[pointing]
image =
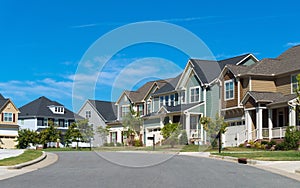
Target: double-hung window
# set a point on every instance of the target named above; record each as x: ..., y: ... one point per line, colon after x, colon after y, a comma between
x: 125, y: 110
x: 195, y: 94
x: 7, y: 117
x: 294, y: 83
x: 161, y: 101
x: 229, y: 90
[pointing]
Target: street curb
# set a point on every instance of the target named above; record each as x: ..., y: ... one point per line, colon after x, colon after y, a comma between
x: 22, y: 165
x: 234, y: 159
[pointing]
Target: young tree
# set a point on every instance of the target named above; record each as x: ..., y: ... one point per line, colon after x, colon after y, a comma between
x: 183, y: 139
x: 86, y: 130
x: 73, y: 134
x: 133, y: 123
x: 214, y: 128
x: 170, y: 132
x: 103, y: 133
x: 50, y: 134
x: 25, y: 137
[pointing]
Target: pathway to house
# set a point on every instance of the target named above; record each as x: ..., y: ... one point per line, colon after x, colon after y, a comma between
x: 90, y: 169
x: 7, y: 153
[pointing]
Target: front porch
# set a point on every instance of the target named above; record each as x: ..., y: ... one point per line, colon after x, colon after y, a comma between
x: 271, y: 123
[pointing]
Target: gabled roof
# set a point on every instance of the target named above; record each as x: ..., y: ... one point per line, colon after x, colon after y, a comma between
x: 40, y: 108
x: 168, y: 86
x: 140, y: 95
x: 267, y: 97
x: 272, y: 98
x: 238, y: 60
x: 287, y: 62
x: 208, y: 71
x: 4, y: 102
x: 106, y: 109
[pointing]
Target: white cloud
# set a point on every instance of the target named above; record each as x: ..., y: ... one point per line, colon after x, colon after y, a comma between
x: 290, y: 44
x: 25, y: 91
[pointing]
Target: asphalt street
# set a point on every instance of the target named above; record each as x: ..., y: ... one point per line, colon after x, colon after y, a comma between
x: 91, y: 169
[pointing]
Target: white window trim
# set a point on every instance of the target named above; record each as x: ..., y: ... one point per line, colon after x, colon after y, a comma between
x: 123, y: 106
x: 228, y: 81
x: 292, y: 91
x: 12, y: 118
x: 190, y: 95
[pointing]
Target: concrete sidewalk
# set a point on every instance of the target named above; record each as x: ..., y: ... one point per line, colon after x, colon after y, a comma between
x: 290, y: 169
x: 7, y: 153
x: 8, y: 171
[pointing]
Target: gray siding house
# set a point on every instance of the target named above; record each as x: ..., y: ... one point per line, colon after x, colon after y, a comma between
x: 99, y: 113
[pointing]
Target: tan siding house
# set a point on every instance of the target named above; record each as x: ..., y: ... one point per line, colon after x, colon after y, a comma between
x: 8, y: 123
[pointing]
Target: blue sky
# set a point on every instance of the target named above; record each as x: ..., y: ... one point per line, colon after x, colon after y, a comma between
x: 42, y: 42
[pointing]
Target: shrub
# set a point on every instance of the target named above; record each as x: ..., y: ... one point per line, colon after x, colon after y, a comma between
x: 264, y: 142
x: 241, y: 145
x: 183, y: 140
x: 271, y: 143
x: 119, y: 144
x: 280, y: 146
x: 291, y: 139
x: 257, y: 145
x: 137, y: 143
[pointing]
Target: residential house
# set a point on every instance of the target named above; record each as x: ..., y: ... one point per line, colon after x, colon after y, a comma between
x: 139, y: 101
x: 99, y: 113
x: 8, y: 123
x: 259, y: 101
x: 36, y: 115
x: 188, y: 97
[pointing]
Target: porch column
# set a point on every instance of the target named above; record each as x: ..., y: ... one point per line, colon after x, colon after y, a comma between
x: 292, y: 116
x: 259, y: 122
x: 187, y: 126
x: 202, y: 134
x: 270, y: 123
x: 248, y: 123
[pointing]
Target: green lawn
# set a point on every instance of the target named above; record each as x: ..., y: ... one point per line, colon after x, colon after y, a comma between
x: 264, y: 155
x: 28, y: 155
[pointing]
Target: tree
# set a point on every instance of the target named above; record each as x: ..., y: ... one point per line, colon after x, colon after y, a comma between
x: 25, y: 137
x: 73, y: 134
x: 183, y: 139
x: 86, y: 130
x: 291, y: 138
x: 170, y: 132
x: 103, y: 132
x: 50, y: 134
x: 214, y: 128
x: 133, y: 123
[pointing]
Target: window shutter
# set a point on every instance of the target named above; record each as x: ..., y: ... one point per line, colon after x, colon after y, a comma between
x: 2, y: 116
x: 14, y: 117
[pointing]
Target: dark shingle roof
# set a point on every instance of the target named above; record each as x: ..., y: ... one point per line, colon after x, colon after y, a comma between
x: 207, y: 71
x: 287, y: 62
x: 180, y: 108
x: 271, y: 98
x: 284, y: 99
x: 265, y: 96
x: 40, y: 108
x: 3, y: 101
x: 107, y: 110
x: 232, y: 61
x: 168, y: 86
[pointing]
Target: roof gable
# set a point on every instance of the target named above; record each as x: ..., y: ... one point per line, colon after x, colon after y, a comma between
x: 107, y: 110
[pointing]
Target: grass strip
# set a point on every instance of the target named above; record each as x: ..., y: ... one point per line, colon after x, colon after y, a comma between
x: 28, y: 155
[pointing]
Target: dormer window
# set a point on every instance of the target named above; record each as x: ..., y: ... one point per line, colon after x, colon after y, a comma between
x: 57, y: 109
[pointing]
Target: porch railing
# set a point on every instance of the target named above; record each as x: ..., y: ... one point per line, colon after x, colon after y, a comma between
x: 277, y: 132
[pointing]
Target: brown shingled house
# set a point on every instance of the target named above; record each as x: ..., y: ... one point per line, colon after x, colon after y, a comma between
x: 259, y: 101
